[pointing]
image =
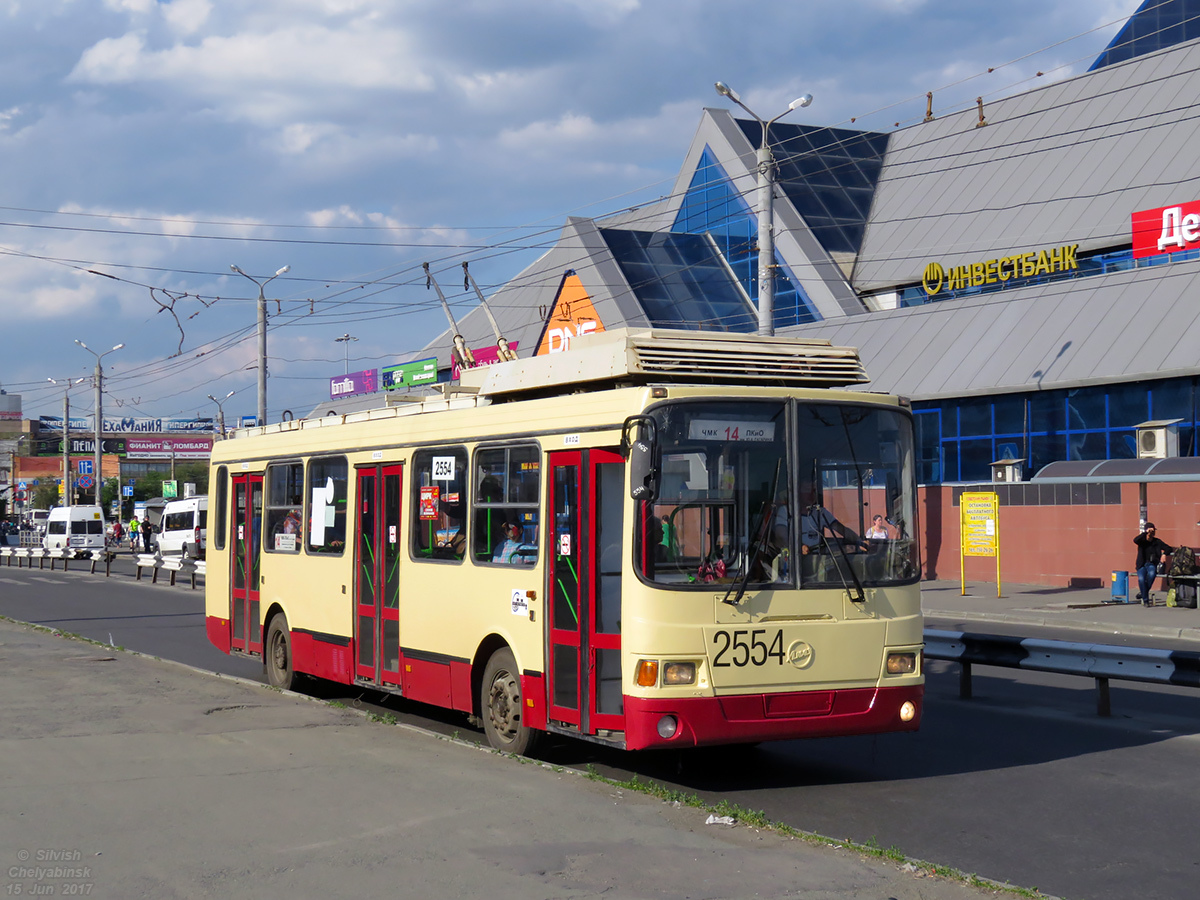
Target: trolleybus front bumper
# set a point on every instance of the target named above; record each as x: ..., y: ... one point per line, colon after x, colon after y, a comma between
x: 652, y: 723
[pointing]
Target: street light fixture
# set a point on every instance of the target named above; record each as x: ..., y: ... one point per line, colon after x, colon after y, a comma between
x: 262, y: 338
x: 766, y: 197
x: 346, y: 339
x: 99, y: 423
x: 67, y: 384
x: 221, y: 410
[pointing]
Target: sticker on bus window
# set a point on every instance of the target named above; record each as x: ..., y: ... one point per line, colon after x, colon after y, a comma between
x: 285, y: 542
x: 443, y: 468
x: 732, y: 430
x: 391, y: 534
x: 429, y: 503
x: 564, y: 545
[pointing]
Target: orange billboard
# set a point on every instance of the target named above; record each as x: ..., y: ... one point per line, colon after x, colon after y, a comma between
x: 572, y: 316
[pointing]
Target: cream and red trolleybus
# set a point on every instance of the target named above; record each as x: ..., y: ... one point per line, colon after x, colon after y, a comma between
x: 657, y: 539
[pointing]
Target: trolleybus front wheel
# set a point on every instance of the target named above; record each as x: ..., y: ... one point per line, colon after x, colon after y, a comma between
x: 503, y: 706
x: 277, y: 655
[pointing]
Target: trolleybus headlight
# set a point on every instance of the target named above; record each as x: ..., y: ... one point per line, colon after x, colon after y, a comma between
x: 667, y: 726
x: 908, y: 711
x: 901, y: 663
x: 679, y: 673
x: 647, y: 673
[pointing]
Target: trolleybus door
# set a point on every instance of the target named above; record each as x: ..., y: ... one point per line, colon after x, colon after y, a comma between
x: 586, y: 551
x: 245, y: 620
x: 377, y: 574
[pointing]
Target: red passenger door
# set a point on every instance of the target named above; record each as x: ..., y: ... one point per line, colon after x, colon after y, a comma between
x: 586, y: 551
x: 377, y: 574
x: 244, y: 614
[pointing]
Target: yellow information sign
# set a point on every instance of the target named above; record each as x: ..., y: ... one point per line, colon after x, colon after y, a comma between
x: 979, y: 519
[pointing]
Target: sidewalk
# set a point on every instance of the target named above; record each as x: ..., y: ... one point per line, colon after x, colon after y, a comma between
x: 126, y: 776
x: 1085, y: 609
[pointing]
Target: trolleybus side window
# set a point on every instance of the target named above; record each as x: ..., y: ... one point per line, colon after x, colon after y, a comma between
x: 285, y: 507
x: 222, y: 508
x: 326, y: 528
x: 439, y: 507
x: 505, y: 503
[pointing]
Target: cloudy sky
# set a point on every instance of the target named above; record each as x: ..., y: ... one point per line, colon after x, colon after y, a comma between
x: 145, y: 146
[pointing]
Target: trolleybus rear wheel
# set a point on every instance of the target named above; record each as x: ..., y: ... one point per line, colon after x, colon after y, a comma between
x: 503, y: 707
x: 277, y: 654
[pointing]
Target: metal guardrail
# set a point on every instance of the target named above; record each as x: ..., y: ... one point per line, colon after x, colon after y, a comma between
x: 1102, y: 662
x: 175, y: 565
x: 172, y: 564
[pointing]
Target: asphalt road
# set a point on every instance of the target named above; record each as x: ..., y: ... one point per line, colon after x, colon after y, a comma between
x: 1023, y: 784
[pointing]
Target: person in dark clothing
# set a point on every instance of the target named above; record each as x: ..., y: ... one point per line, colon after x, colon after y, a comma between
x: 1151, y: 556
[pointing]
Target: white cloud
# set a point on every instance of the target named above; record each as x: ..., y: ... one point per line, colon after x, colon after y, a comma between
x: 187, y: 16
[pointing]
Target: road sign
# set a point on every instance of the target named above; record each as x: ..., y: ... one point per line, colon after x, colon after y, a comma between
x: 86, y: 481
x: 22, y: 485
x: 249, y: 421
x: 85, y: 466
x: 127, y: 490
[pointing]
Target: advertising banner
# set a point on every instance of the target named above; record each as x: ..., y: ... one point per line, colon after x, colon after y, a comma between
x: 483, y: 357
x: 131, y: 425
x: 409, y: 374
x: 166, y: 448
x: 365, y: 382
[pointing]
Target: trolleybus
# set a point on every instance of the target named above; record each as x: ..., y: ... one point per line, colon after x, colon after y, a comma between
x: 657, y: 539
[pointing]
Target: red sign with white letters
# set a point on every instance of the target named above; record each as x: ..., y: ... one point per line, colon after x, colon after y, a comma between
x: 1167, y: 229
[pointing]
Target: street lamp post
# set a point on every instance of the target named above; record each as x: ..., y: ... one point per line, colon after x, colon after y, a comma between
x: 99, y: 410
x: 346, y: 339
x: 766, y: 198
x: 67, y: 384
x: 262, y: 339
x: 221, y: 410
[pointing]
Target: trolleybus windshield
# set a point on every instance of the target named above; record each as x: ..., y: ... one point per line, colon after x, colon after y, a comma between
x: 780, y: 495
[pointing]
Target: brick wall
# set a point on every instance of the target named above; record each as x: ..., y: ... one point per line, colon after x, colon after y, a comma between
x: 1059, y: 545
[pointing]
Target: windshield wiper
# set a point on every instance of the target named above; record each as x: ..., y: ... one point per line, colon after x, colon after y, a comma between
x: 857, y: 595
x: 761, y: 538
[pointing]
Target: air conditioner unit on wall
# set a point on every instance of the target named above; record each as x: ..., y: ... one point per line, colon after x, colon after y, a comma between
x: 1158, y: 439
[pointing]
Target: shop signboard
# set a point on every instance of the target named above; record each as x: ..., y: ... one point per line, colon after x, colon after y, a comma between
x: 169, y: 448
x: 1167, y: 229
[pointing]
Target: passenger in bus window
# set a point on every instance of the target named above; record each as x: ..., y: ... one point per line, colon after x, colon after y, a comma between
x: 512, y: 551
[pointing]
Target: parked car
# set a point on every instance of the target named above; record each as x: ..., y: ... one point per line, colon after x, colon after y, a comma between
x: 75, y: 528
x: 184, y: 528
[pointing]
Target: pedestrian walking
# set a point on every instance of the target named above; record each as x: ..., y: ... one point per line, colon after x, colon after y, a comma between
x: 134, y: 534
x: 1151, y: 557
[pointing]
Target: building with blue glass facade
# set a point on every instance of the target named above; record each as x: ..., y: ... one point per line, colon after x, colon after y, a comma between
x: 985, y: 262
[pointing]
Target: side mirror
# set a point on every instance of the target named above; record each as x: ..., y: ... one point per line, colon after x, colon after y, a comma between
x: 642, y: 452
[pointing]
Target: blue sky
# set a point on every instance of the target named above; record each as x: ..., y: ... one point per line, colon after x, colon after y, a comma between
x: 156, y: 143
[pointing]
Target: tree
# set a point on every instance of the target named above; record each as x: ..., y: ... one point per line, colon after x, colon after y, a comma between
x: 45, y: 496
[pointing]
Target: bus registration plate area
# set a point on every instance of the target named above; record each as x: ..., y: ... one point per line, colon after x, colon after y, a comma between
x: 826, y: 652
